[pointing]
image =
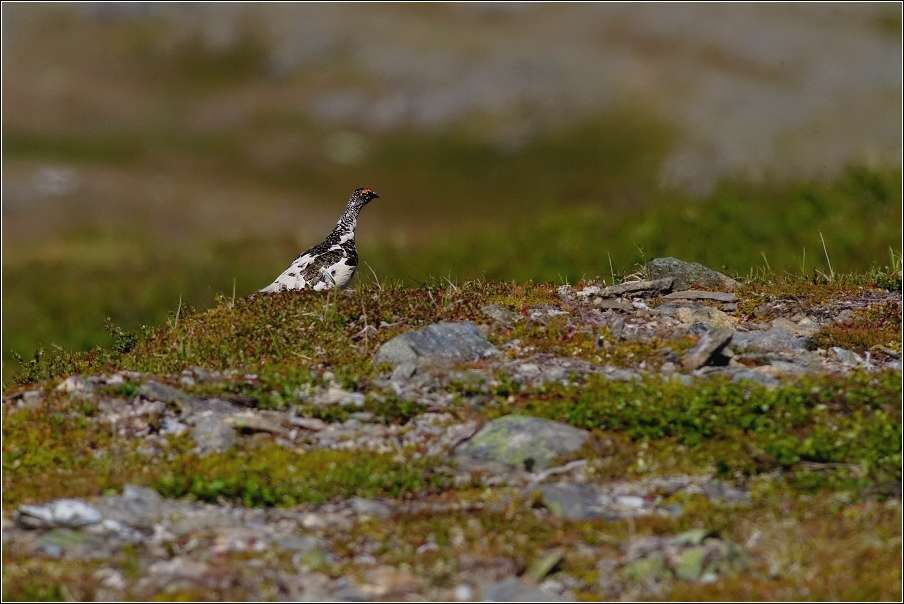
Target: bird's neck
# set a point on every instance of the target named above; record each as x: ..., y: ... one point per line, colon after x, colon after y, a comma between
x: 347, y: 224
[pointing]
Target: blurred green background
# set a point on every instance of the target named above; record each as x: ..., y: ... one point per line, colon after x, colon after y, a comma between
x: 158, y: 152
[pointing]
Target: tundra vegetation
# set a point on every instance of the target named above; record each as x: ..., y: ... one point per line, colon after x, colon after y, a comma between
x: 166, y: 437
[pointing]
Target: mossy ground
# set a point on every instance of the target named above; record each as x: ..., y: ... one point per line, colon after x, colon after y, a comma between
x: 817, y: 453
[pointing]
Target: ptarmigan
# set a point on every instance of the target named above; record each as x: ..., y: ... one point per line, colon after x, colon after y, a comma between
x: 331, y: 263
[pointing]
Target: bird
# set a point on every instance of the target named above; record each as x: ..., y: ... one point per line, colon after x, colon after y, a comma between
x: 331, y: 263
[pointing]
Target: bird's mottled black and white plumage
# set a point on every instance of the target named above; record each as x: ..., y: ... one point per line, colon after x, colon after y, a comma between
x: 331, y: 263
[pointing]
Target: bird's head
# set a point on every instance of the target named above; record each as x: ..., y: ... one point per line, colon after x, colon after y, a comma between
x: 362, y: 197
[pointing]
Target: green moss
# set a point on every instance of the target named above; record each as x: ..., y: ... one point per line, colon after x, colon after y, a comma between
x: 855, y: 420
x: 50, y: 453
x: 54, y: 452
x: 273, y: 475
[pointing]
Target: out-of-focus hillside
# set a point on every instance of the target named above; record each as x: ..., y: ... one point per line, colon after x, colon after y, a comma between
x: 152, y: 151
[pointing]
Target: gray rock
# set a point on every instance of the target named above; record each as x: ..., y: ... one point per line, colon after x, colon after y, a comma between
x: 847, y: 357
x: 776, y: 339
x: 171, y: 426
x: 543, y: 312
x: 448, y: 342
x: 688, y: 274
x: 64, y: 513
x: 707, y: 348
x: 693, y: 294
x: 711, y: 317
x: 157, y: 391
x: 137, y: 507
x: 212, y: 434
x: 403, y: 371
x: 747, y: 375
x: 513, y: 590
x: 370, y: 507
x: 637, y: 288
x: 571, y: 501
x: 74, y: 383
x: 805, y: 328
x: 524, y: 442
x: 500, y: 314
x: 604, y: 304
x: 583, y: 501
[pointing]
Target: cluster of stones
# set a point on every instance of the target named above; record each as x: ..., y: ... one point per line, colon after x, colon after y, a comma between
x: 513, y: 453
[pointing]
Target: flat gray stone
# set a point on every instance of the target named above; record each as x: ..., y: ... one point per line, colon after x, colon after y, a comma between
x: 693, y: 294
x: 513, y: 590
x: 637, y: 287
x: 688, y: 274
x: 776, y: 339
x: 612, y: 304
x: 156, y: 391
x: 62, y: 513
x: 370, y: 507
x: 571, y: 501
x: 523, y: 442
x: 440, y: 342
x: 707, y: 348
x: 746, y: 375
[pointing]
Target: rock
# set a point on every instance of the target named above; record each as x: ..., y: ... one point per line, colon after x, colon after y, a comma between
x: 571, y: 501
x: 634, y: 287
x: 137, y: 507
x: 522, y: 441
x: 336, y: 396
x: 156, y: 391
x: 541, y: 313
x: 693, y: 294
x: 64, y: 513
x: 805, y: 327
x: 370, y: 507
x: 613, y: 304
x: 513, y: 590
x: 169, y: 425
x: 707, y: 348
x: 309, y: 423
x: 74, y: 383
x: 403, y: 371
x: 583, y: 501
x: 500, y: 314
x: 688, y: 274
x: 748, y: 375
x: 777, y: 339
x: 212, y: 434
x: 845, y: 316
x: 545, y: 368
x: 460, y: 341
x: 707, y: 315
x: 255, y: 422
x: 397, y: 351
